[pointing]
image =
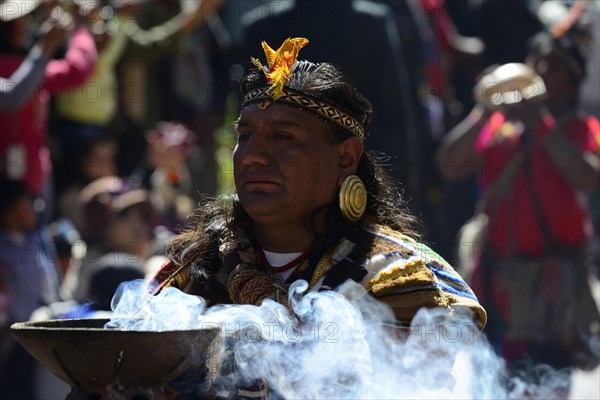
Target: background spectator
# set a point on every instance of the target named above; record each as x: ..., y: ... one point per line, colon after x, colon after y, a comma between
x: 28, y: 279
x: 93, y: 159
x: 539, y: 167
x: 22, y: 144
x: 16, y: 90
x: 116, y: 218
x: 165, y: 174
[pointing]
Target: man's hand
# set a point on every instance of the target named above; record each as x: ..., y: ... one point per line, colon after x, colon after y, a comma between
x: 531, y: 113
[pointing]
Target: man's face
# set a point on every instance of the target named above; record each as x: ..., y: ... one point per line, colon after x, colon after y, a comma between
x: 286, y: 165
x: 556, y: 76
x: 100, y: 162
x: 130, y: 230
x: 21, y: 217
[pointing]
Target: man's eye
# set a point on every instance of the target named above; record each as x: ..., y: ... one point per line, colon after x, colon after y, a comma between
x: 282, y: 135
x: 242, y: 136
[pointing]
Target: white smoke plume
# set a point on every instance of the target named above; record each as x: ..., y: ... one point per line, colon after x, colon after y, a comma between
x: 339, y: 344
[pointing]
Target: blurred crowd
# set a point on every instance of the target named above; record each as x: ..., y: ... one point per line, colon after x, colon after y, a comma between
x: 113, y: 114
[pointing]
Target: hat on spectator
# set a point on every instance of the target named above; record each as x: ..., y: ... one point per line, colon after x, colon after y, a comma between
x: 113, y: 193
x: 10, y: 10
x: 106, y: 197
x: 172, y: 134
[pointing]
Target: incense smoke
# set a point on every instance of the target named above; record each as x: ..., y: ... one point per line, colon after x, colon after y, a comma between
x: 338, y: 344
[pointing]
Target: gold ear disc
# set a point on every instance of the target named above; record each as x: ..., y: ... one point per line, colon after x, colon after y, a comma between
x: 353, y: 198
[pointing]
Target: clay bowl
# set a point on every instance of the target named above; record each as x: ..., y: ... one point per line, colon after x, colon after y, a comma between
x: 103, y: 362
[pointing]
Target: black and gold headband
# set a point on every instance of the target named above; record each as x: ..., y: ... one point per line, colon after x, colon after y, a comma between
x: 312, y: 105
x: 281, y: 63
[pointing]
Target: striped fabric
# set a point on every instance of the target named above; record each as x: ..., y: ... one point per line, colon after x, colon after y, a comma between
x: 408, y: 275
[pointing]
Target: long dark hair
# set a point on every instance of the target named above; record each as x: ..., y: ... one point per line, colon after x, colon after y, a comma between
x: 198, y: 248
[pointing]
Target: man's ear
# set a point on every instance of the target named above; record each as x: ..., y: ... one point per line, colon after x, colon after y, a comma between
x: 351, y: 150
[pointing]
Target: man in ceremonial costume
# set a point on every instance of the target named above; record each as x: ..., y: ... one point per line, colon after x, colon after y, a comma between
x: 310, y: 204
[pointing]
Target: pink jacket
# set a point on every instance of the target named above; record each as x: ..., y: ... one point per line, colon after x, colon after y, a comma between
x: 27, y: 126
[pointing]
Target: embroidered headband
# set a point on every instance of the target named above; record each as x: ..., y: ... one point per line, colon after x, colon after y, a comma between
x: 280, y: 68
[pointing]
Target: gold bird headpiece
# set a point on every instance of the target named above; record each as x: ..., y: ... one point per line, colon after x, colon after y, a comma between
x: 280, y: 63
x: 280, y: 68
